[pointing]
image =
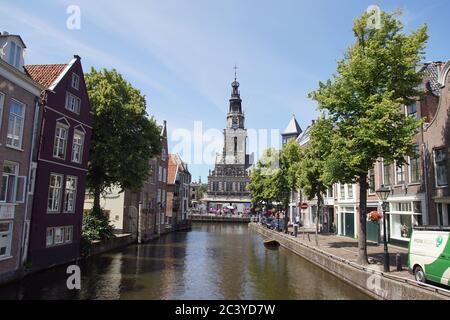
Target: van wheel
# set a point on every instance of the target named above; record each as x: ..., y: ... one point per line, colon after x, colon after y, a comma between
x: 419, y: 274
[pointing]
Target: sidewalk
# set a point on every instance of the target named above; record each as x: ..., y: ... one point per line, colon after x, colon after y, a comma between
x: 347, y: 248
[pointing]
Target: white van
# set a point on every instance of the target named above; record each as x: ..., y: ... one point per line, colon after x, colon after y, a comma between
x: 429, y: 254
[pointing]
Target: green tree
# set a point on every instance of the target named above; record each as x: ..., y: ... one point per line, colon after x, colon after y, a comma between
x: 377, y: 75
x: 260, y: 178
x: 311, y: 173
x: 274, y: 176
x: 124, y: 137
x: 290, y: 157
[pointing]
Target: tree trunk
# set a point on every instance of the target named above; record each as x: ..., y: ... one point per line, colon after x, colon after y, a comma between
x: 362, y: 236
x: 96, y: 209
x: 319, y: 210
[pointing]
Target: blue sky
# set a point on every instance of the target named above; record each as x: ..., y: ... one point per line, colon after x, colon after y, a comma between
x: 181, y: 54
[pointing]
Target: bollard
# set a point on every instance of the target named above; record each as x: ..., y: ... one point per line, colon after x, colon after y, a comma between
x: 295, y: 230
x: 398, y: 261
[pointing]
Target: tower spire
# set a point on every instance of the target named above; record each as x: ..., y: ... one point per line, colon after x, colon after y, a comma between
x: 235, y: 72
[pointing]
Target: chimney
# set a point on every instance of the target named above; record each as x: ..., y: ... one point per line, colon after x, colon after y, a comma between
x: 5, y: 33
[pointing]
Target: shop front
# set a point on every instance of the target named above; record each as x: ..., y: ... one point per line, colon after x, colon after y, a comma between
x: 402, y: 217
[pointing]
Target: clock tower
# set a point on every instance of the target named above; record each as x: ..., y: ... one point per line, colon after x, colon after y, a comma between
x: 227, y: 183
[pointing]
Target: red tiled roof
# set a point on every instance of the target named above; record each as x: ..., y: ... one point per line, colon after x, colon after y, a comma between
x: 172, y: 169
x: 45, y: 74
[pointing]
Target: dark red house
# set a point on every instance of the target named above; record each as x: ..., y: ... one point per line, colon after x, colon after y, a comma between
x: 63, y: 151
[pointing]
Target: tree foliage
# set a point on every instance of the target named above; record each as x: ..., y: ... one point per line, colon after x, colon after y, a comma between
x: 377, y: 75
x: 124, y: 137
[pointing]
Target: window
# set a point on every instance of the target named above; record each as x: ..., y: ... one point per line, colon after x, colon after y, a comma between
x: 12, y: 186
x: 59, y: 235
x: 54, y: 195
x: 68, y: 234
x: 59, y: 147
x: 70, y: 194
x: 49, y: 241
x: 73, y: 103
x: 400, y: 174
x: 15, y: 124
x: 386, y: 174
x: 342, y: 191
x: 411, y: 110
x: 77, y: 146
x: 371, y: 180
x: 414, y: 166
x: 14, y: 54
x: 75, y: 81
x: 5, y: 239
x: 350, y: 191
x: 2, y: 101
x: 440, y: 162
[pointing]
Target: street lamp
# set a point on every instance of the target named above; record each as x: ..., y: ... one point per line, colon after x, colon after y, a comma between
x: 383, y: 194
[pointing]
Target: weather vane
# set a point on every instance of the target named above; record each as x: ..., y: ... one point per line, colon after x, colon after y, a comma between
x: 235, y: 72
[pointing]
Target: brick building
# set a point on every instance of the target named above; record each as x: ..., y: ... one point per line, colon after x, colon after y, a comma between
x: 62, y: 160
x: 19, y: 112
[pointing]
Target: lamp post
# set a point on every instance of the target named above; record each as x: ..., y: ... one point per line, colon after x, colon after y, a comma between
x: 383, y: 194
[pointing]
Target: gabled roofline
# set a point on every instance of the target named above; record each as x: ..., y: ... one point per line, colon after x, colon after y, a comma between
x: 62, y: 74
x: 14, y: 35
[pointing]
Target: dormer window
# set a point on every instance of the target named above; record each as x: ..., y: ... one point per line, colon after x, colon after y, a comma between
x: 15, y: 52
x: 75, y: 81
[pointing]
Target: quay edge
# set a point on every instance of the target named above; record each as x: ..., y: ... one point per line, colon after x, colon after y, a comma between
x: 389, y: 287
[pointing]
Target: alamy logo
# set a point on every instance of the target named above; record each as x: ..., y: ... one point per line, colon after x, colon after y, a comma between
x: 374, y: 283
x: 73, y: 22
x: 439, y: 241
x: 374, y: 20
x: 74, y: 280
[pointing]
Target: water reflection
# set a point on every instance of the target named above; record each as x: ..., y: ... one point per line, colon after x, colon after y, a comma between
x: 213, y: 261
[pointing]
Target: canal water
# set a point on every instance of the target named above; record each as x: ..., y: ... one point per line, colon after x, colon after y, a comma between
x: 213, y: 261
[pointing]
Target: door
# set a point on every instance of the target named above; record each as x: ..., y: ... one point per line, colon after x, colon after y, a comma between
x: 350, y: 224
x: 373, y: 229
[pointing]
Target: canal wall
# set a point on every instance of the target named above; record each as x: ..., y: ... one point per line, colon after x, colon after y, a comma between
x: 214, y: 218
x: 102, y: 246
x: 377, y: 284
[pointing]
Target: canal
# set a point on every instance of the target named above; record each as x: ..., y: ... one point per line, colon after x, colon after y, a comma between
x: 213, y: 261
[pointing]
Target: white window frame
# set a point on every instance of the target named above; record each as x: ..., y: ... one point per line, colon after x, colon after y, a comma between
x: 18, y: 181
x: 75, y: 81
x: 350, y: 187
x: 57, y: 141
x: 58, y: 200
x: 74, y: 193
x: 383, y: 167
x: 70, y: 98
x: 9, y: 235
x: 435, y: 167
x: 47, y: 236
x: 418, y: 168
x: 12, y: 136
x: 81, y: 146
x: 15, y: 53
x: 398, y: 183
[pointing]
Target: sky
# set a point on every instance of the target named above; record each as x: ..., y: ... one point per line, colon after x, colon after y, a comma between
x: 181, y: 54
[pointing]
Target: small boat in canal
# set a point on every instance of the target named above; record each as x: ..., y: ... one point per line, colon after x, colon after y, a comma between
x: 271, y: 244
